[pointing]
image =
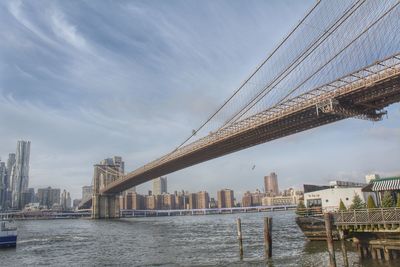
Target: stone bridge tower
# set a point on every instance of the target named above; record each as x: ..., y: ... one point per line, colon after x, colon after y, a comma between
x: 105, y: 206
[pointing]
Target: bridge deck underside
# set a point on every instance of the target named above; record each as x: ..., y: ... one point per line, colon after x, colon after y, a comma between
x: 367, y: 100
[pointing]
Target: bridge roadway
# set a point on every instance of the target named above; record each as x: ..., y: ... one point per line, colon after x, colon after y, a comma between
x: 362, y: 94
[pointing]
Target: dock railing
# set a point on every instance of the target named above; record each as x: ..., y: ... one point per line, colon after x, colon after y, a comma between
x: 358, y: 217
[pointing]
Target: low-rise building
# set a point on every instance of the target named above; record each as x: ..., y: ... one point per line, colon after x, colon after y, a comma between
x: 253, y: 199
x: 329, y: 198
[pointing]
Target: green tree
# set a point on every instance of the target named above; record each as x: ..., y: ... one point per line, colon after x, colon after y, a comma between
x: 357, y: 203
x: 398, y: 200
x: 301, y: 208
x: 371, y: 203
x: 387, y: 200
x: 342, y: 207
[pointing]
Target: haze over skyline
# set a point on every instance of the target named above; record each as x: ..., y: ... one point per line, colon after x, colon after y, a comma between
x: 82, y: 85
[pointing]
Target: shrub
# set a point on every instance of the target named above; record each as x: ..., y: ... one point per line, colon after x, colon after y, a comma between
x: 371, y: 203
x: 357, y: 203
x: 387, y: 200
x: 301, y: 208
x: 342, y: 207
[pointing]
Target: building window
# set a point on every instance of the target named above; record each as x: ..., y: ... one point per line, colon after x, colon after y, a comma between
x: 326, y: 200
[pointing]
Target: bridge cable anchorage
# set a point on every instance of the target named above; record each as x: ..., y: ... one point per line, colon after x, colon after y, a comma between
x: 333, y: 107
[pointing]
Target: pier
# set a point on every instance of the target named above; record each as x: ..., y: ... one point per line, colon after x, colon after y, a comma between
x: 375, y: 232
x: 152, y: 213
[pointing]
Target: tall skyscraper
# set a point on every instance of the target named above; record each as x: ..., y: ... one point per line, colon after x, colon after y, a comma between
x: 87, y: 192
x: 159, y: 186
x: 65, y: 200
x: 225, y: 198
x: 10, y: 165
x: 271, y: 184
x: 7, y: 184
x: 20, y: 179
x: 3, y: 186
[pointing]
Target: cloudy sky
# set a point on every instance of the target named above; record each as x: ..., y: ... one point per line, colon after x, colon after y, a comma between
x: 86, y: 80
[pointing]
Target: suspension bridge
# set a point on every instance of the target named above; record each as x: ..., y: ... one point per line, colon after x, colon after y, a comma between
x: 342, y: 60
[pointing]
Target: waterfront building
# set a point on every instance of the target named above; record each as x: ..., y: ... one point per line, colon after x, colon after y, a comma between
x: 151, y: 202
x: 329, y: 199
x: 137, y: 201
x: 48, y: 197
x: 87, y: 192
x: 28, y: 196
x: 160, y: 185
x: 382, y: 185
x: 168, y: 202
x: 20, y: 176
x: 122, y: 201
x: 213, y: 203
x: 225, y: 198
x: 371, y: 177
x: 179, y: 201
x: 132, y: 200
x: 252, y: 199
x: 65, y: 200
x: 32, y: 207
x: 271, y: 184
x: 192, y: 198
x: 282, y: 200
x: 246, y: 200
x: 75, y: 203
x: 203, y: 200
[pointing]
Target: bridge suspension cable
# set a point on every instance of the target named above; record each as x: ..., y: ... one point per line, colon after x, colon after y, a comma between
x: 308, y: 49
x: 324, y: 65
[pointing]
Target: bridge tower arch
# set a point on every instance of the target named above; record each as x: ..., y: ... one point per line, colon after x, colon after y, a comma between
x: 104, y: 206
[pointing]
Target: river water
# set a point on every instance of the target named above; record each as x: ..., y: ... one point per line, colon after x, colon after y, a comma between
x: 168, y: 241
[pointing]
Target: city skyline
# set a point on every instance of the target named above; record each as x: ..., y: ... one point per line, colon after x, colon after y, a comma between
x: 85, y: 121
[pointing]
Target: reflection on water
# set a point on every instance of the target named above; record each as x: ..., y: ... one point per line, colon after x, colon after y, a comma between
x: 169, y: 241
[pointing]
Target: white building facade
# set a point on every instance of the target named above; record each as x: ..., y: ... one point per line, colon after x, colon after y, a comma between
x: 329, y: 199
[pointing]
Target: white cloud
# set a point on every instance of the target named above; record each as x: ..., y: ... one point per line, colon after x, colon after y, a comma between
x: 66, y: 31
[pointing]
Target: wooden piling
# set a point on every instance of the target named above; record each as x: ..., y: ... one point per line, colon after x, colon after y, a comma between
x: 374, y: 253
x: 239, y: 235
x: 343, y: 247
x: 379, y: 253
x: 268, y: 237
x: 365, y: 251
x: 329, y: 239
x: 386, y: 254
